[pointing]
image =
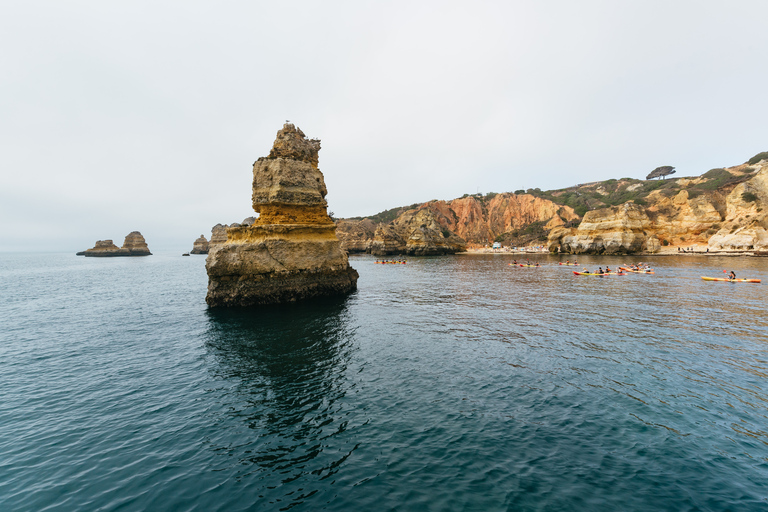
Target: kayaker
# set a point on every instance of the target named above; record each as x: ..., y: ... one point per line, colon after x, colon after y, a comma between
x: 732, y: 275
x: 607, y: 269
x: 600, y: 271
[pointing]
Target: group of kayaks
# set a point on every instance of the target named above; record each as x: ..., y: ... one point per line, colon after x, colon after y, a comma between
x: 390, y: 262
x: 631, y: 269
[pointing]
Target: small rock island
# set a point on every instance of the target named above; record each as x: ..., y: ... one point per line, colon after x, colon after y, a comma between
x: 134, y: 245
x: 291, y: 251
x: 200, y: 246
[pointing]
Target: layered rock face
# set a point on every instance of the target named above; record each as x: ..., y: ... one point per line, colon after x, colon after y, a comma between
x: 218, y: 234
x: 480, y: 222
x: 745, y: 226
x: 616, y: 230
x: 291, y: 251
x: 356, y: 236
x: 134, y: 245
x: 446, y: 227
x: 723, y: 219
x: 200, y: 246
x: 416, y: 233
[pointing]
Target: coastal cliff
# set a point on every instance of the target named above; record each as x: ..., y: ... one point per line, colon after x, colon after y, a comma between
x: 724, y: 209
x: 133, y: 245
x: 290, y: 252
x: 721, y: 210
x: 447, y: 227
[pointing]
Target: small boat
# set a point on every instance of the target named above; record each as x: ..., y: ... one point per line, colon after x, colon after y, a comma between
x: 599, y: 275
x: 572, y: 264
x: 646, y: 271
x: 185, y: 254
x: 393, y: 262
x: 725, y: 279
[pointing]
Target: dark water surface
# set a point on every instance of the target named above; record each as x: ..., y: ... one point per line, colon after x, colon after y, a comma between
x: 453, y: 383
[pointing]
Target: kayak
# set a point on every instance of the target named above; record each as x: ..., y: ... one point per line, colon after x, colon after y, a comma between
x: 390, y: 262
x: 625, y: 269
x: 572, y: 264
x: 730, y: 280
x: 600, y: 275
x: 519, y: 265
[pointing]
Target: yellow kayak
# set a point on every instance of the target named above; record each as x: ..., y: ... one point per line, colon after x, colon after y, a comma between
x: 725, y: 279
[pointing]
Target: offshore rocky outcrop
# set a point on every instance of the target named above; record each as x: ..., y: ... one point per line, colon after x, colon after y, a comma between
x: 290, y: 252
x: 200, y: 246
x: 133, y: 245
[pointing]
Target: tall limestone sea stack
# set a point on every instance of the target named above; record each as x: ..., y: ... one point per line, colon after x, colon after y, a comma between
x: 291, y: 251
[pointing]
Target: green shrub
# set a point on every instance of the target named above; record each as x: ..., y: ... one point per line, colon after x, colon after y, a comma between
x: 718, y: 178
x: 580, y: 210
x: 749, y: 197
x: 519, y: 192
x: 714, y: 173
x: 665, y: 243
x: 758, y: 157
x: 694, y: 192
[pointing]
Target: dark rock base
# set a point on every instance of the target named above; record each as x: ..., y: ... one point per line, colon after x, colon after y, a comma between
x: 252, y: 290
x: 109, y: 254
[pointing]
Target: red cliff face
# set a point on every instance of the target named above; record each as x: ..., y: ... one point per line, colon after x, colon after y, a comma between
x: 480, y: 221
x: 443, y: 227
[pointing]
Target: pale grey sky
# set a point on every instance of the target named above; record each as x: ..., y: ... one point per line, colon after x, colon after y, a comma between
x: 122, y: 116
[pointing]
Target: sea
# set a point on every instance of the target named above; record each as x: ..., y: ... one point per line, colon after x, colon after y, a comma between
x: 448, y: 383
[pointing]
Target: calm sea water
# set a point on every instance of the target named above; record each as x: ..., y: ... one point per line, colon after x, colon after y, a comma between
x: 451, y: 383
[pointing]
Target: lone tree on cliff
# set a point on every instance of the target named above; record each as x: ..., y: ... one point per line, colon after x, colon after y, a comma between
x: 660, y: 172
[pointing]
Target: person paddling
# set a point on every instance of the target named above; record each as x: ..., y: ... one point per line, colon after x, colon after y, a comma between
x: 732, y: 275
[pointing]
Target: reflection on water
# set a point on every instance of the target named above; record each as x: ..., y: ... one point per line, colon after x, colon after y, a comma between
x: 288, y: 366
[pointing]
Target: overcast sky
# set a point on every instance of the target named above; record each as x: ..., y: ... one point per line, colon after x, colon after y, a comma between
x: 148, y: 115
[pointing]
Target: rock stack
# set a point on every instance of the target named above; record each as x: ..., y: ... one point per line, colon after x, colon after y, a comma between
x: 291, y: 251
x: 200, y: 246
x: 134, y: 245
